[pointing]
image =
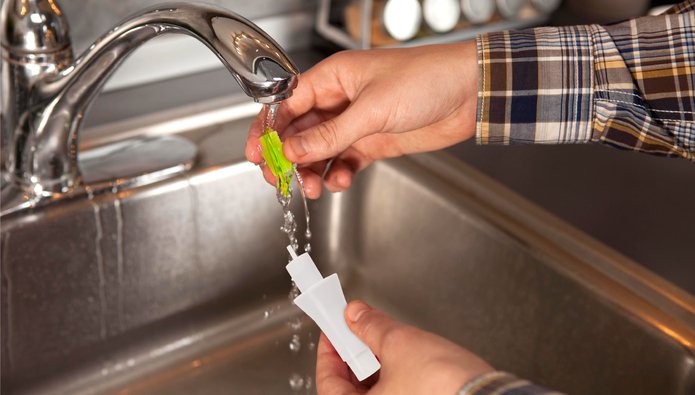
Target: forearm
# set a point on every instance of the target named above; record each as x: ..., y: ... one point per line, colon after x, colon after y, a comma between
x: 628, y: 85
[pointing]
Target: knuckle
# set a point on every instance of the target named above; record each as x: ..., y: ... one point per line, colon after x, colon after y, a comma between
x: 334, y: 61
x: 394, y: 336
x: 343, y: 55
x: 327, y: 135
x: 392, y: 117
x: 367, y: 325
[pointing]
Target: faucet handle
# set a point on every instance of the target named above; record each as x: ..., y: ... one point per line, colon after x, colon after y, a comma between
x: 44, y: 96
x: 34, y: 44
x: 35, y: 26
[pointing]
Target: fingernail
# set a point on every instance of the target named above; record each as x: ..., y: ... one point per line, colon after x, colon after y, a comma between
x: 298, y: 145
x: 344, y: 180
x: 355, y: 310
x: 256, y: 155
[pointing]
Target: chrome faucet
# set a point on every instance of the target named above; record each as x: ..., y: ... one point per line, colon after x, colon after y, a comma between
x: 45, y: 92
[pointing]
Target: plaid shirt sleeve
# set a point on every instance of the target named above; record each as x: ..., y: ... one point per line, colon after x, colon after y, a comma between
x: 630, y: 85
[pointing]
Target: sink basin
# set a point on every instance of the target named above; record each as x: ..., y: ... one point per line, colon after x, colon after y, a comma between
x: 179, y: 287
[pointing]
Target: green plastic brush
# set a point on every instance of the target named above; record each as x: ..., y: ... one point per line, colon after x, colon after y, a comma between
x: 279, y: 165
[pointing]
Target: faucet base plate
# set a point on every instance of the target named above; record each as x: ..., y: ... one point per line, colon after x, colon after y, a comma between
x: 138, y: 160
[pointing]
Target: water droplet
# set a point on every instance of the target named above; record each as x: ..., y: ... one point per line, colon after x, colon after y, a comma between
x: 271, y: 113
x: 307, y: 232
x: 289, y: 221
x: 119, y: 257
x: 296, y: 382
x: 294, y: 292
x: 99, y: 258
x: 311, y: 346
x: 295, y: 343
x: 295, y: 324
x: 289, y: 227
x: 268, y: 312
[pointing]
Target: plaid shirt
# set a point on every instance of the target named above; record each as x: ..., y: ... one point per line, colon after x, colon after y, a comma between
x: 630, y: 85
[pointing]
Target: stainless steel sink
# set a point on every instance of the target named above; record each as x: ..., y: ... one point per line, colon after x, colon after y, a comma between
x: 179, y: 287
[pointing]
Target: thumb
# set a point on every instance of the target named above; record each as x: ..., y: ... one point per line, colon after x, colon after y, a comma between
x: 370, y: 325
x: 329, y: 138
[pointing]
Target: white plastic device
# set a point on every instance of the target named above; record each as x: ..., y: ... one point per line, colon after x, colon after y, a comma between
x: 322, y: 299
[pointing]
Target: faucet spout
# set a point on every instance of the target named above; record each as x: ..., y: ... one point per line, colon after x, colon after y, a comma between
x: 44, y: 141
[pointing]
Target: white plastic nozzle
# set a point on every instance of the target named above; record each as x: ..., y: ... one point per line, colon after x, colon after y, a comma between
x: 322, y: 299
x: 303, y: 271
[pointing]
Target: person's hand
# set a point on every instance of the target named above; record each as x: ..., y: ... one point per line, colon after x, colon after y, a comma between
x: 361, y: 106
x: 412, y: 361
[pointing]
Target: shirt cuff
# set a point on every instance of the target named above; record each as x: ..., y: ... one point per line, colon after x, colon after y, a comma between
x: 535, y: 86
x: 502, y: 383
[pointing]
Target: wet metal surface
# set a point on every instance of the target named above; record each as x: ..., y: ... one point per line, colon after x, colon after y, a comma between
x: 179, y: 287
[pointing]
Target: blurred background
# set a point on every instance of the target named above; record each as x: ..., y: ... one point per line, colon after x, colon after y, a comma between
x: 638, y: 204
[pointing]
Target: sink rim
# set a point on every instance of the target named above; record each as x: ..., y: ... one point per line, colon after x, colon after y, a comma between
x: 613, y: 277
x: 616, y: 277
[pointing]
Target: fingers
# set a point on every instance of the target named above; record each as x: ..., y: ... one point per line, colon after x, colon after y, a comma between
x: 312, y: 182
x: 303, y: 114
x: 307, y: 120
x: 332, y: 374
x: 321, y: 87
x: 371, y: 326
x: 253, y: 148
x: 268, y: 175
x: 339, y: 177
x: 301, y: 106
x: 333, y: 136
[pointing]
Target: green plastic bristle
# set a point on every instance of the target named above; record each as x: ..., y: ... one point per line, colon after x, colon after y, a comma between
x: 275, y: 158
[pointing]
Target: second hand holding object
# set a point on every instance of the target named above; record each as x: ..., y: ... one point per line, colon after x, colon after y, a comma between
x: 323, y: 300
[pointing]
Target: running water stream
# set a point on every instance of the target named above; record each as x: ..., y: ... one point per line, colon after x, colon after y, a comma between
x: 289, y: 227
x: 119, y: 254
x: 100, y: 262
x: 289, y: 224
